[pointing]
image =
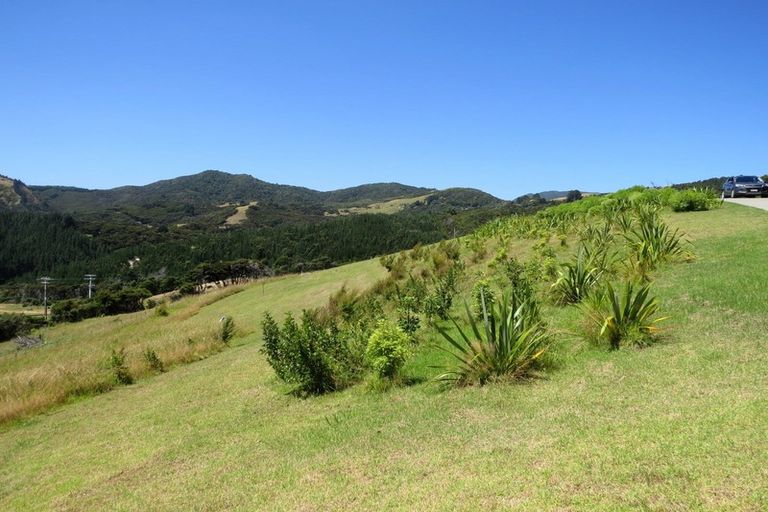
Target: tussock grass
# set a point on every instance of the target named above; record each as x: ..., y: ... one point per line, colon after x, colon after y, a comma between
x: 73, y: 362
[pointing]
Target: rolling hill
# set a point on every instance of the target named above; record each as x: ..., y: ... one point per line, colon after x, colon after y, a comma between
x: 629, y: 429
x: 173, y: 225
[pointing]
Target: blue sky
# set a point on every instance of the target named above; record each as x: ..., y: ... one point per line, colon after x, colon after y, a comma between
x: 510, y: 97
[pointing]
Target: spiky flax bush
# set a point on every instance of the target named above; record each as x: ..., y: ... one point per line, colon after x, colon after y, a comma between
x: 508, y: 344
x: 630, y: 315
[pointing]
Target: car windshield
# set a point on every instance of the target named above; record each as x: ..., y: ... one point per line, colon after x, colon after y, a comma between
x: 747, y: 179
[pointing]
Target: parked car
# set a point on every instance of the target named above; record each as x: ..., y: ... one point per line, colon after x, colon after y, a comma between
x: 744, y: 186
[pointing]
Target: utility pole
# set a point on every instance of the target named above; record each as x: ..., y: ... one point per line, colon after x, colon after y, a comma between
x: 45, y: 281
x: 90, y: 278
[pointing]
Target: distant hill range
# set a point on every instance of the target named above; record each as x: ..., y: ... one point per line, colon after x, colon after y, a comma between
x: 210, y: 198
x: 173, y: 225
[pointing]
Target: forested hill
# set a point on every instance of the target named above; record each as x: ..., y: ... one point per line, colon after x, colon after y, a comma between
x: 211, y: 189
x: 174, y: 225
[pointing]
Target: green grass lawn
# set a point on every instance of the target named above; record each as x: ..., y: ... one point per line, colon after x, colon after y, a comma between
x: 680, y: 425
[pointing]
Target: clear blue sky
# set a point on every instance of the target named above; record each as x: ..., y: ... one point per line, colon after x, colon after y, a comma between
x: 510, y: 97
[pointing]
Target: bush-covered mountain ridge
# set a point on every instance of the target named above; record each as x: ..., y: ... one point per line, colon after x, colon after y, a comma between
x: 210, y: 191
x: 173, y: 225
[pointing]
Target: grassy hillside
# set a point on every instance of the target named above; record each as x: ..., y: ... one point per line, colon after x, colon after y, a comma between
x: 676, y: 426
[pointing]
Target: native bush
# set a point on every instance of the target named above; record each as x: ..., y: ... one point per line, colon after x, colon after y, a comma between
x: 508, y: 344
x: 15, y: 324
x: 438, y: 303
x: 575, y: 280
x: 116, y: 363
x: 521, y: 276
x: 388, y: 349
x: 315, y: 358
x: 652, y: 242
x: 153, y: 361
x: 619, y: 317
x: 408, y: 314
x: 694, y: 200
x: 482, y: 296
x: 226, y: 329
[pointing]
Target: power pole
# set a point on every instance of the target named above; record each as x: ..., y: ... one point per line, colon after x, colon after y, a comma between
x: 45, y: 281
x: 90, y: 278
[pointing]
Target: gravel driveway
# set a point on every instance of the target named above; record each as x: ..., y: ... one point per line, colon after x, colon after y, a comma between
x: 755, y: 202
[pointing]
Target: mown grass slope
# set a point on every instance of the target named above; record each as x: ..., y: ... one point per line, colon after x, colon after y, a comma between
x: 676, y: 426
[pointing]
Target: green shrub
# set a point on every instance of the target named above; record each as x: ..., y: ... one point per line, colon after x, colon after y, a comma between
x: 628, y: 316
x: 343, y: 303
x: 116, y: 363
x: 153, y: 361
x: 104, y: 302
x: 576, y: 279
x: 520, y: 276
x: 694, y: 200
x: 652, y: 242
x: 438, y: 303
x: 226, y: 329
x: 407, y: 314
x: 162, y: 310
x: 187, y: 289
x: 315, y: 358
x: 482, y: 297
x: 387, y: 350
x: 508, y: 345
x: 13, y: 325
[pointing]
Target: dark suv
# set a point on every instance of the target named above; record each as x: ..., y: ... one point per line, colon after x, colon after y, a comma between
x: 744, y: 186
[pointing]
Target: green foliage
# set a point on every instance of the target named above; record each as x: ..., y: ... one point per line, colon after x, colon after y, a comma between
x: 476, y: 244
x: 388, y: 350
x: 187, y: 289
x: 482, y: 297
x: 116, y: 363
x: 408, y: 314
x: 694, y: 200
x: 508, y: 345
x: 438, y: 303
x: 573, y: 195
x: 226, y: 328
x: 315, y: 358
x: 35, y: 242
x: 162, y: 310
x: 651, y: 242
x: 343, y: 303
x: 576, y: 279
x: 74, y: 310
x: 14, y: 325
x: 520, y: 276
x: 628, y: 316
x: 153, y: 361
x: 104, y: 302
